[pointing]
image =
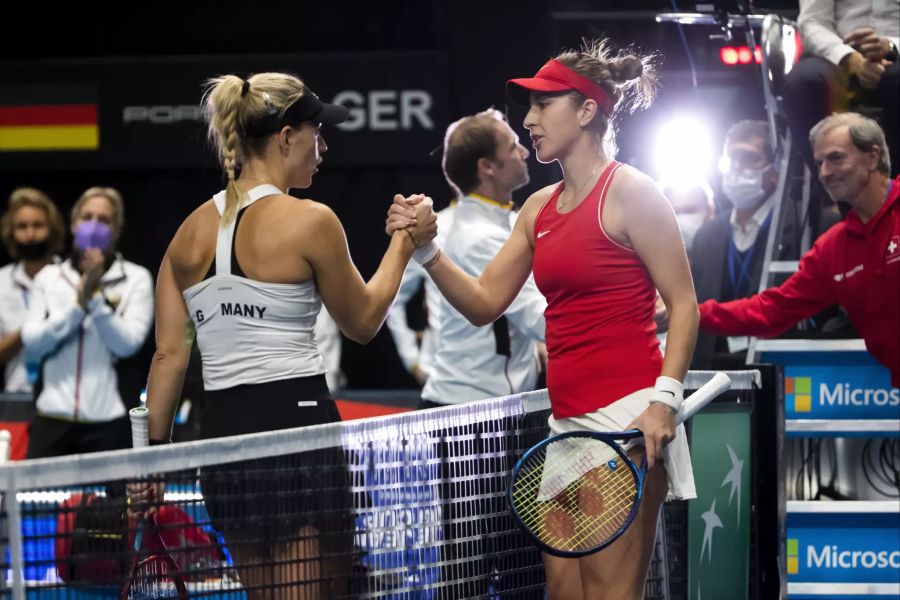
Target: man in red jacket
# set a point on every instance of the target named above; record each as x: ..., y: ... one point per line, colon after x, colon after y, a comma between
x: 855, y: 264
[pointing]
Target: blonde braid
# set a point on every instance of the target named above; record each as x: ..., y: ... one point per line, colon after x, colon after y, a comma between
x: 230, y: 142
x: 229, y: 103
x: 223, y: 105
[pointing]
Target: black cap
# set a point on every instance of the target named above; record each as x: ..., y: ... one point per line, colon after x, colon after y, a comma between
x: 307, y: 108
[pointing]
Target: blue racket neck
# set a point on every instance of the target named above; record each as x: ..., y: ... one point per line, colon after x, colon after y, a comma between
x: 141, y: 529
x: 629, y: 434
x: 139, y: 535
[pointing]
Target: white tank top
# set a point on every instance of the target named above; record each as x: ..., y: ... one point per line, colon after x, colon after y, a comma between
x: 250, y: 331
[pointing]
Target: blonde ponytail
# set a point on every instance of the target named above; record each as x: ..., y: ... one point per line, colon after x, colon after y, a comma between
x: 231, y: 102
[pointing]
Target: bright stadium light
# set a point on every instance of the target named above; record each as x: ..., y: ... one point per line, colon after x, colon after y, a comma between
x: 683, y: 151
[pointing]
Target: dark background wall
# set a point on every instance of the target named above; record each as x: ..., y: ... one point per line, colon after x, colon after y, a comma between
x: 477, y: 45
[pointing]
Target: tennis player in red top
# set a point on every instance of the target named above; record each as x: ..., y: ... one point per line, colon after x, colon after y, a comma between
x: 601, y: 242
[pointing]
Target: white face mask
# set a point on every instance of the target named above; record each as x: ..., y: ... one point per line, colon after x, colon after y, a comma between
x: 689, y: 224
x: 744, y: 188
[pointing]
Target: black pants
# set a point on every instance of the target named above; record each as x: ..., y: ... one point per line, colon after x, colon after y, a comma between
x: 267, y: 494
x: 265, y: 502
x: 48, y: 437
x: 816, y: 88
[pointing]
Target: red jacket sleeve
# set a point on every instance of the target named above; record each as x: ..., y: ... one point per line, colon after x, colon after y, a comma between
x: 773, y: 311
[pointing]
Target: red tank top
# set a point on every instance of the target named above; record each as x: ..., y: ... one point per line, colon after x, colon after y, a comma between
x: 601, y: 337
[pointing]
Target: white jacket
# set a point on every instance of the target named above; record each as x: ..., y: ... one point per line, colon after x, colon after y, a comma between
x: 467, y: 365
x: 79, y: 349
x: 15, y: 290
x: 408, y: 348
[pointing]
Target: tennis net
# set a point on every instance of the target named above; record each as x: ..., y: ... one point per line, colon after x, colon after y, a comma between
x: 408, y: 506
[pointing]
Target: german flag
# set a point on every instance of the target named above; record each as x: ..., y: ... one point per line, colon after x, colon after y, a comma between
x: 48, y: 118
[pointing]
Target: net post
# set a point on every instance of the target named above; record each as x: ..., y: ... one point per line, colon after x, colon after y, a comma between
x: 14, y: 518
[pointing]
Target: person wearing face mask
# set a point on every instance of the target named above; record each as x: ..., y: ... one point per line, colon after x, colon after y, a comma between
x: 85, y: 315
x: 855, y: 264
x: 728, y: 252
x: 32, y: 231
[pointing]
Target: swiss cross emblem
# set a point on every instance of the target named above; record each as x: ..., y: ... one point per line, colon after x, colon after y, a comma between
x: 893, y: 245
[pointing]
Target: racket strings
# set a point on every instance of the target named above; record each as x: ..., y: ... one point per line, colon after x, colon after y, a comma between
x: 617, y: 497
x: 571, y: 458
x: 615, y: 494
x: 612, y: 485
x: 588, y: 528
x: 153, y: 579
x: 535, y: 471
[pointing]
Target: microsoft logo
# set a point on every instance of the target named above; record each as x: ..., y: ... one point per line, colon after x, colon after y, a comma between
x: 798, y: 393
x: 793, y: 561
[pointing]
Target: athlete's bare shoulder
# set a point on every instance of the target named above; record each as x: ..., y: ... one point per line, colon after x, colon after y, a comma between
x: 195, y: 232
x: 635, y: 191
x: 531, y: 208
x: 302, y: 213
x: 539, y: 198
x: 193, y: 247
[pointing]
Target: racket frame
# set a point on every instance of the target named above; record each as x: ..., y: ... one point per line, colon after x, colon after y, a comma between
x: 718, y: 384
x: 609, y: 438
x: 140, y: 438
x: 161, y: 552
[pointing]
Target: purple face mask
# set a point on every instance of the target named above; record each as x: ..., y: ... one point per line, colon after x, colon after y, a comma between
x: 93, y: 234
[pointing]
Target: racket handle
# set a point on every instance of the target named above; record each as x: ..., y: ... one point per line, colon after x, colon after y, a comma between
x: 4, y: 445
x: 140, y: 427
x: 719, y: 384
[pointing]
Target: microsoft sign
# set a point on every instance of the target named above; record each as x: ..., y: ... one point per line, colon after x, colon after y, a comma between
x: 843, y: 554
x: 835, y: 393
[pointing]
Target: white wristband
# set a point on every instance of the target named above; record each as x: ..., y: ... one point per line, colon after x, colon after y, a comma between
x: 668, y: 391
x: 425, y: 253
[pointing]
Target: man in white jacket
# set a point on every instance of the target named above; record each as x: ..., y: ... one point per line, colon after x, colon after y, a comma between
x: 86, y: 314
x: 485, y: 163
x: 417, y: 354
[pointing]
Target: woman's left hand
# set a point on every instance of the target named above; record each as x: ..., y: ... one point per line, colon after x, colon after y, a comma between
x: 657, y: 423
x: 414, y: 214
x: 400, y: 215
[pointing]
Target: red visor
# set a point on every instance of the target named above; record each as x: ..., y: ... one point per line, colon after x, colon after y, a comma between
x: 556, y: 77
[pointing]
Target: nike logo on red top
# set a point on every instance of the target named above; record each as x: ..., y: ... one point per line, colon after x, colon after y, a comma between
x: 543, y: 233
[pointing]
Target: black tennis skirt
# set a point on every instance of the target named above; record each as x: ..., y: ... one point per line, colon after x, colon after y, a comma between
x: 270, y: 499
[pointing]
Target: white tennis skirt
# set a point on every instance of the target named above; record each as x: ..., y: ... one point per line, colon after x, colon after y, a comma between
x: 619, y: 415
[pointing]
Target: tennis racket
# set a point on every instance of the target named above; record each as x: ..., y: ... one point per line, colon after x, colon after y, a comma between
x: 577, y: 492
x: 154, y: 573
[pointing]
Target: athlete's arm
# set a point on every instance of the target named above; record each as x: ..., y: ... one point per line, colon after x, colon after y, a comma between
x: 649, y: 223
x: 358, y: 307
x: 484, y: 298
x: 174, y: 336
